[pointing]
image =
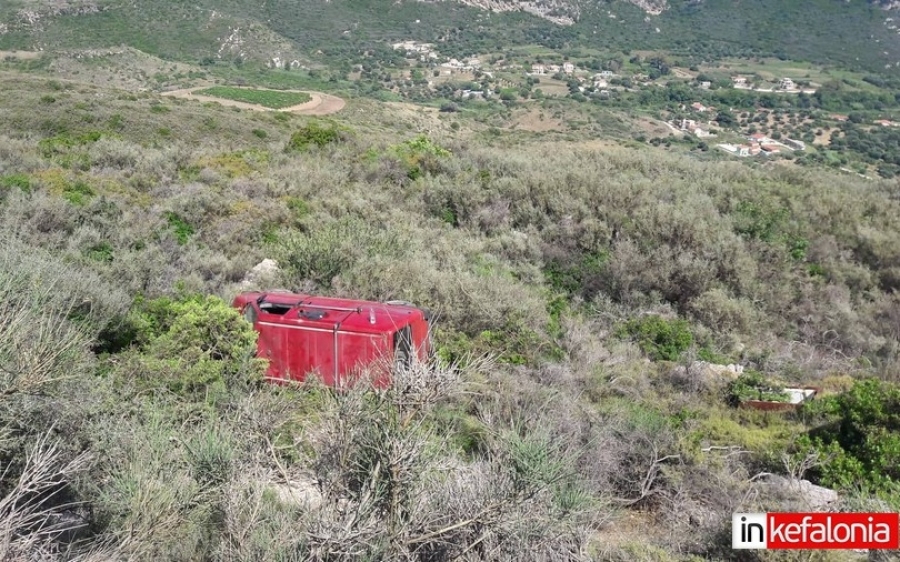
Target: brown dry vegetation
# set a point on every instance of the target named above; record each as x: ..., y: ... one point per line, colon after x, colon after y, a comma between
x: 128, y: 440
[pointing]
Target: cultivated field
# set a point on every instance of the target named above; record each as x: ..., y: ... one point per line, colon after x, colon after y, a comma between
x: 272, y: 99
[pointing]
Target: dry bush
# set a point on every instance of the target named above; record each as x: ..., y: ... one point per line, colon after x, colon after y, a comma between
x: 33, y: 516
x: 148, y: 500
x: 48, y: 317
x: 18, y: 155
x: 392, y: 487
x: 114, y: 154
x: 256, y: 526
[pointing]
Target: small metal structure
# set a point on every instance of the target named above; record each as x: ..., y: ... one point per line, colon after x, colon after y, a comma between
x: 798, y: 396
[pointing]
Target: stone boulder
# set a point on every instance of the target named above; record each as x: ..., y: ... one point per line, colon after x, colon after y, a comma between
x: 701, y: 375
x: 803, y: 495
x: 261, y: 275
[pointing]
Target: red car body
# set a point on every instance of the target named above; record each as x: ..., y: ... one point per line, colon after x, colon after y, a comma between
x: 334, y: 339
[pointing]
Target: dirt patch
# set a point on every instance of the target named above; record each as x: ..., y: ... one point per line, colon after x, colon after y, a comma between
x: 552, y: 87
x: 20, y: 55
x: 655, y: 128
x: 536, y: 120
x: 410, y: 108
x: 681, y: 73
x: 319, y: 103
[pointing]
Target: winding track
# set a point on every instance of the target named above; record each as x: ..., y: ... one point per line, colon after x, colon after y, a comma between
x: 319, y: 103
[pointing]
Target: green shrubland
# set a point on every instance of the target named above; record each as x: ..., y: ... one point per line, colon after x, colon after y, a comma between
x: 592, y: 280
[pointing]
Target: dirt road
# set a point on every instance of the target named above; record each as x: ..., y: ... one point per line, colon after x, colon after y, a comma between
x: 21, y: 55
x: 319, y: 103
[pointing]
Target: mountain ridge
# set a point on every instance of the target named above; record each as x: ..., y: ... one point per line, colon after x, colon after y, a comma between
x: 853, y: 34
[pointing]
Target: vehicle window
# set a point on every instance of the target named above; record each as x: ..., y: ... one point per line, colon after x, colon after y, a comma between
x: 250, y: 314
x: 274, y: 308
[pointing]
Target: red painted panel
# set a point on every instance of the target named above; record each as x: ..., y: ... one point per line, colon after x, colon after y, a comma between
x: 300, y: 334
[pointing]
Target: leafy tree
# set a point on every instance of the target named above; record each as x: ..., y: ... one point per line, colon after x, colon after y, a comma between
x: 726, y: 118
x: 509, y: 94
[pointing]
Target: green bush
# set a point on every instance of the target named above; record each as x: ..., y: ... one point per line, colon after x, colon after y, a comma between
x: 78, y: 193
x: 316, y: 134
x: 19, y: 181
x: 102, y: 252
x: 420, y: 155
x: 298, y: 206
x: 753, y: 385
x: 182, y: 229
x: 860, y: 431
x: 661, y: 339
x: 577, y: 276
x: 62, y: 143
x: 192, y: 343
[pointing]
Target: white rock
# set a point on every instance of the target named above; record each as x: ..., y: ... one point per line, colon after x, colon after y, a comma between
x: 261, y: 274
x: 810, y: 495
x: 301, y: 493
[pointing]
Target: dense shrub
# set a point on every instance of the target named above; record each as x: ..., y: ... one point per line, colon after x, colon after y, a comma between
x: 194, y: 343
x: 753, y: 385
x: 419, y: 156
x: 860, y: 431
x: 659, y: 338
x: 330, y: 249
x: 315, y: 133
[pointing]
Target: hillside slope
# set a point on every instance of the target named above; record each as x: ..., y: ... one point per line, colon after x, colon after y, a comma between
x: 855, y: 34
x: 594, y: 277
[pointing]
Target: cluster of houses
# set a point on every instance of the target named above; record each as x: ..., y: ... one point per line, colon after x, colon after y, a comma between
x: 693, y: 126
x: 415, y: 50
x: 425, y: 52
x: 542, y: 69
x: 468, y: 65
x: 472, y: 94
x: 786, y: 85
x: 599, y: 80
x: 759, y: 143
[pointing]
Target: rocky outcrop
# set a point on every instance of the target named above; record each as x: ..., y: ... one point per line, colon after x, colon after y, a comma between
x: 654, y: 7
x: 887, y: 4
x: 701, y: 375
x: 560, y: 12
x: 260, y: 276
x: 33, y: 17
x: 803, y: 495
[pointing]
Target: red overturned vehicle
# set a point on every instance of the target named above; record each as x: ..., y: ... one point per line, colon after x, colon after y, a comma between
x: 336, y: 340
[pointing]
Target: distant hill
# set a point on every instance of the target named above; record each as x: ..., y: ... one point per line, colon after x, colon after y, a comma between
x: 856, y: 33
